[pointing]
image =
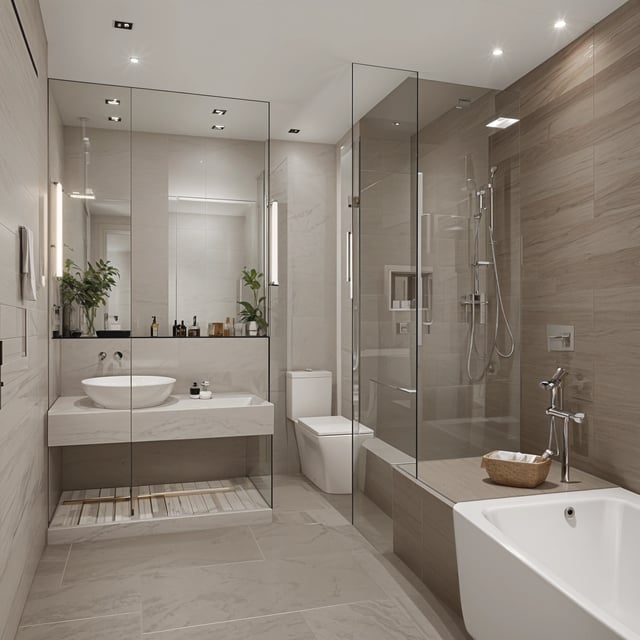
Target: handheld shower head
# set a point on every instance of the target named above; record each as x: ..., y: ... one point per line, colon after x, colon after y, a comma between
x: 556, y: 379
x: 494, y: 170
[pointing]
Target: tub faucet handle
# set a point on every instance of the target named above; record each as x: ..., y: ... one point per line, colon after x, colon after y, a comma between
x: 117, y: 355
x: 102, y: 355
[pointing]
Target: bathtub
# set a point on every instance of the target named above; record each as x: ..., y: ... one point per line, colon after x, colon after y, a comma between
x: 563, y: 565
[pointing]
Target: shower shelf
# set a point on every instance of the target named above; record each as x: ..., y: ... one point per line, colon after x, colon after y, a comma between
x: 160, y: 508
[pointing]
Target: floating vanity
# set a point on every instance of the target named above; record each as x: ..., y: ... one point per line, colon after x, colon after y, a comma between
x: 76, y: 420
x: 120, y: 511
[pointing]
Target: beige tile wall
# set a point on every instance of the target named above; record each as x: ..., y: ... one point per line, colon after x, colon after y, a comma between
x: 23, y: 198
x: 580, y: 177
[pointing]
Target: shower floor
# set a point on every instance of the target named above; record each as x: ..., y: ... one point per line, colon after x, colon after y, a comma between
x: 163, y: 508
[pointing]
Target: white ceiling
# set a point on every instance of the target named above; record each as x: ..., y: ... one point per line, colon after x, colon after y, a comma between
x: 297, y: 53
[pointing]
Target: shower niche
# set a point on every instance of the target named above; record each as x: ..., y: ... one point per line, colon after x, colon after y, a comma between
x: 402, y: 288
x: 170, y: 190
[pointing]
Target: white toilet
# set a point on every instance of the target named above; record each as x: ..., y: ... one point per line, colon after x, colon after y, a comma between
x: 324, y: 441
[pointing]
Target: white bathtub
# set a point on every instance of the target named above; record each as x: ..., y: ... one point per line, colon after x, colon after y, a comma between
x: 528, y: 569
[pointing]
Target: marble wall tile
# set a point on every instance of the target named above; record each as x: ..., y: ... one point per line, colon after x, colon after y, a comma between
x: 23, y: 197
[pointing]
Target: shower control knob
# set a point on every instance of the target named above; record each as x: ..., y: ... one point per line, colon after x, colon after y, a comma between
x: 117, y: 355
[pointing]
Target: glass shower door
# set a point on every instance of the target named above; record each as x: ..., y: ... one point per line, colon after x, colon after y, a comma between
x: 387, y: 294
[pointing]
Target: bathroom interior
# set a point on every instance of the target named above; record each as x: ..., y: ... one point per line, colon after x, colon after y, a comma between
x: 253, y: 365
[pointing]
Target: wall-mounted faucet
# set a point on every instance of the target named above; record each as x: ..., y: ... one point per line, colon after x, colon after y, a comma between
x: 555, y: 386
x: 117, y: 355
x: 102, y: 355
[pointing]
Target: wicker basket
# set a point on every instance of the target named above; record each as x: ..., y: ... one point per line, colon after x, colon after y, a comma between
x: 517, y: 474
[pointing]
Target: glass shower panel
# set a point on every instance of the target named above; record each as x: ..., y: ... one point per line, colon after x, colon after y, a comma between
x: 89, y: 160
x: 470, y: 246
x: 388, y: 296
x: 198, y: 236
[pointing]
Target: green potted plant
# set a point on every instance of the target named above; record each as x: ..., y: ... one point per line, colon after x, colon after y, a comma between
x: 89, y: 288
x: 252, y: 312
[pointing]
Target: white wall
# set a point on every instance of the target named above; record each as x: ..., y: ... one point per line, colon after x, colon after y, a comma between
x: 23, y: 195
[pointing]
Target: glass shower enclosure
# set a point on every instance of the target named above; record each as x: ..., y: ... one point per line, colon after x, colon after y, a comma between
x: 435, y: 310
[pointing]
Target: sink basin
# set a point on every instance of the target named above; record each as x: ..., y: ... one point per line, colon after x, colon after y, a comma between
x: 128, y: 392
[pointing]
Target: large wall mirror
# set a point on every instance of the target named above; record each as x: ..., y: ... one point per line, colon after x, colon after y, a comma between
x: 170, y: 190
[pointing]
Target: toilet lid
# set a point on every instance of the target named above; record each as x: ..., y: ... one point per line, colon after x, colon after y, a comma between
x: 331, y: 426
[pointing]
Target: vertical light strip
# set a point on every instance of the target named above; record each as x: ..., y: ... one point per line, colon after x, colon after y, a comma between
x: 419, y: 292
x: 273, y: 245
x: 59, y: 241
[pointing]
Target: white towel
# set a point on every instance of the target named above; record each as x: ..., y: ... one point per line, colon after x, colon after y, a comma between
x: 513, y: 456
x: 27, y: 265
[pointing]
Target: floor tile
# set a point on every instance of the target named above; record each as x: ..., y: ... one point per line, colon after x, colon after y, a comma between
x: 381, y: 620
x: 125, y: 627
x: 129, y: 556
x: 293, y: 540
x: 87, y: 599
x: 297, y: 498
x: 288, y: 626
x: 181, y: 598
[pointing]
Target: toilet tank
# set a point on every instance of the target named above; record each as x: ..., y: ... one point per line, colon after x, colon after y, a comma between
x: 308, y: 394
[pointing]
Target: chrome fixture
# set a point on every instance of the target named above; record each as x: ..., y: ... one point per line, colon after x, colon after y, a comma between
x: 555, y: 385
x: 117, y: 355
x: 102, y: 355
x: 482, y: 202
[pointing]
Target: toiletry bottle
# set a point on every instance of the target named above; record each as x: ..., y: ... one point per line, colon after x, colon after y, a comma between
x: 154, y: 328
x: 238, y: 328
x: 182, y: 330
x: 226, y: 329
x: 115, y: 325
x: 205, y: 392
x: 194, y: 391
x: 174, y: 332
x: 194, y: 329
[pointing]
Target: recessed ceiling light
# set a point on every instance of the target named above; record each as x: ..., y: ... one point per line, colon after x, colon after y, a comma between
x: 134, y: 60
x: 502, y: 123
x: 123, y: 24
x: 218, y: 127
x: 115, y: 118
x: 294, y: 130
x: 219, y: 112
x: 560, y: 24
x: 114, y: 102
x: 396, y: 124
x: 497, y: 52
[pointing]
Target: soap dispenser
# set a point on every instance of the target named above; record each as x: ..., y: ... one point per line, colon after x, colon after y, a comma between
x: 154, y: 327
x: 205, y: 391
x: 194, y: 329
x: 194, y: 391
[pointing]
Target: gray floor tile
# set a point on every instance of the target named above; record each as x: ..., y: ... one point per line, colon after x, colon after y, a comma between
x: 144, y: 553
x: 125, y: 627
x: 180, y: 598
x: 381, y: 620
x: 87, y: 599
x: 290, y: 541
x: 298, y: 497
x: 289, y: 626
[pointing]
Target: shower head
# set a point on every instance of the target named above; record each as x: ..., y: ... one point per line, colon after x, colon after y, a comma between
x: 494, y: 170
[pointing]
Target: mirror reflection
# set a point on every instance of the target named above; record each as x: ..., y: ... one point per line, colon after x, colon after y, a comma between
x: 168, y: 191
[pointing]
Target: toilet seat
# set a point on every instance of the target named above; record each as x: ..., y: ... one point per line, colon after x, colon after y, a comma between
x: 331, y: 426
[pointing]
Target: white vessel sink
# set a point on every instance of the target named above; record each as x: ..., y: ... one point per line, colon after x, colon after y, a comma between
x: 124, y: 392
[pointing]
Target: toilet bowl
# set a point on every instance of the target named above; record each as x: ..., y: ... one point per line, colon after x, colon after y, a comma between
x: 324, y: 441
x: 324, y: 445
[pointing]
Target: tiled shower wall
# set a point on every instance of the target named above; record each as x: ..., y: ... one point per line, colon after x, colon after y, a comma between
x: 23, y: 197
x: 580, y: 188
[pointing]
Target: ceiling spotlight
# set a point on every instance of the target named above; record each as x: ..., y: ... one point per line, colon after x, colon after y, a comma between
x: 497, y: 52
x: 560, y: 24
x: 502, y: 123
x: 396, y: 124
x: 123, y: 24
x: 218, y: 127
x: 115, y: 118
x: 294, y: 130
x: 134, y: 60
x: 219, y: 112
x: 113, y: 102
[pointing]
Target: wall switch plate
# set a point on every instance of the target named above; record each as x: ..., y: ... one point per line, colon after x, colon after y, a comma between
x: 560, y: 337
